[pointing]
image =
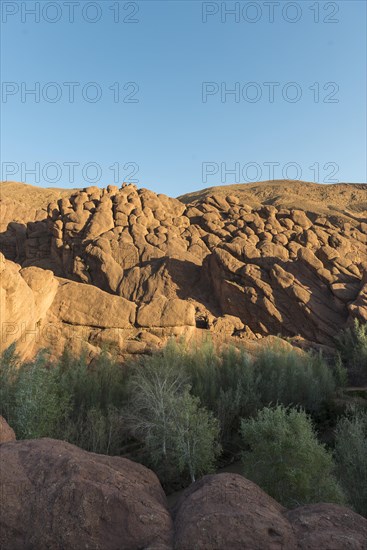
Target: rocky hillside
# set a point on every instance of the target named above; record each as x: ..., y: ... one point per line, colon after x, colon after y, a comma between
x: 56, y: 496
x: 24, y: 203
x: 344, y: 199
x: 127, y: 267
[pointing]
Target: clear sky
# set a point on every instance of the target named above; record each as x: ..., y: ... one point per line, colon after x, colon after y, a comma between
x: 159, y: 110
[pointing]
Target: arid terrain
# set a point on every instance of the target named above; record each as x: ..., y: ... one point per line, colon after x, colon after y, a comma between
x: 276, y: 270
x: 127, y: 268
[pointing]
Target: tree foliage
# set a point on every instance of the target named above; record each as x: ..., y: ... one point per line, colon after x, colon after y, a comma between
x: 351, y: 457
x: 67, y: 400
x: 284, y: 457
x: 175, y: 429
x: 352, y: 346
x: 293, y: 378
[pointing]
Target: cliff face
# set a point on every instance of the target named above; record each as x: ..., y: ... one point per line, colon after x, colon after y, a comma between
x: 132, y: 267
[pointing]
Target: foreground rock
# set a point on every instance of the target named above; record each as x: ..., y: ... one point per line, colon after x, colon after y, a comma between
x: 58, y: 497
x: 329, y: 527
x: 228, y: 511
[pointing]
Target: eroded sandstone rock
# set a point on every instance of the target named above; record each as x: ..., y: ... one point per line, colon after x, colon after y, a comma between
x: 56, y: 496
x: 228, y: 511
x: 328, y: 526
x: 162, y: 312
x: 79, y: 304
x: 277, y: 268
x: 25, y: 297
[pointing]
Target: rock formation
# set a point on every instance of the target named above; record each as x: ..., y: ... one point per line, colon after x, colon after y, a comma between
x: 228, y: 511
x: 25, y: 297
x: 56, y: 496
x: 6, y: 432
x: 327, y: 526
x: 134, y: 267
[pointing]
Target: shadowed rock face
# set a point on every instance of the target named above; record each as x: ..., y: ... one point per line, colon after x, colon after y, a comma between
x: 222, y: 260
x: 56, y: 497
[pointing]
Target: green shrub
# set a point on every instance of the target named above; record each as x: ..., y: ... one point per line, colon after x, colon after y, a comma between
x: 68, y: 400
x: 351, y: 458
x: 9, y: 365
x: 286, y: 460
x: 39, y: 405
x: 233, y: 385
x: 293, y: 378
x: 226, y: 384
x: 352, y: 346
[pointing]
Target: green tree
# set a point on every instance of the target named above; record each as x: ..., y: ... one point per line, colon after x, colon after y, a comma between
x: 284, y: 457
x: 293, y: 378
x: 352, y: 346
x: 226, y: 384
x: 40, y: 405
x: 97, y: 394
x: 177, y: 432
x: 351, y: 458
x: 153, y: 388
x: 68, y: 399
x: 194, y: 436
x: 102, y: 431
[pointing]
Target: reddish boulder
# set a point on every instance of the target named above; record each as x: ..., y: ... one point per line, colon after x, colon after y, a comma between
x: 328, y: 527
x: 56, y: 496
x: 228, y: 511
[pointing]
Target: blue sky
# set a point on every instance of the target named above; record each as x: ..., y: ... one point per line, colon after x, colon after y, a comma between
x: 174, y: 128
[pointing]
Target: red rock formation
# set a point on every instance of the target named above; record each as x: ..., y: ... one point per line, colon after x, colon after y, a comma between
x: 220, y: 261
x: 329, y: 527
x: 56, y: 497
x: 228, y: 511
